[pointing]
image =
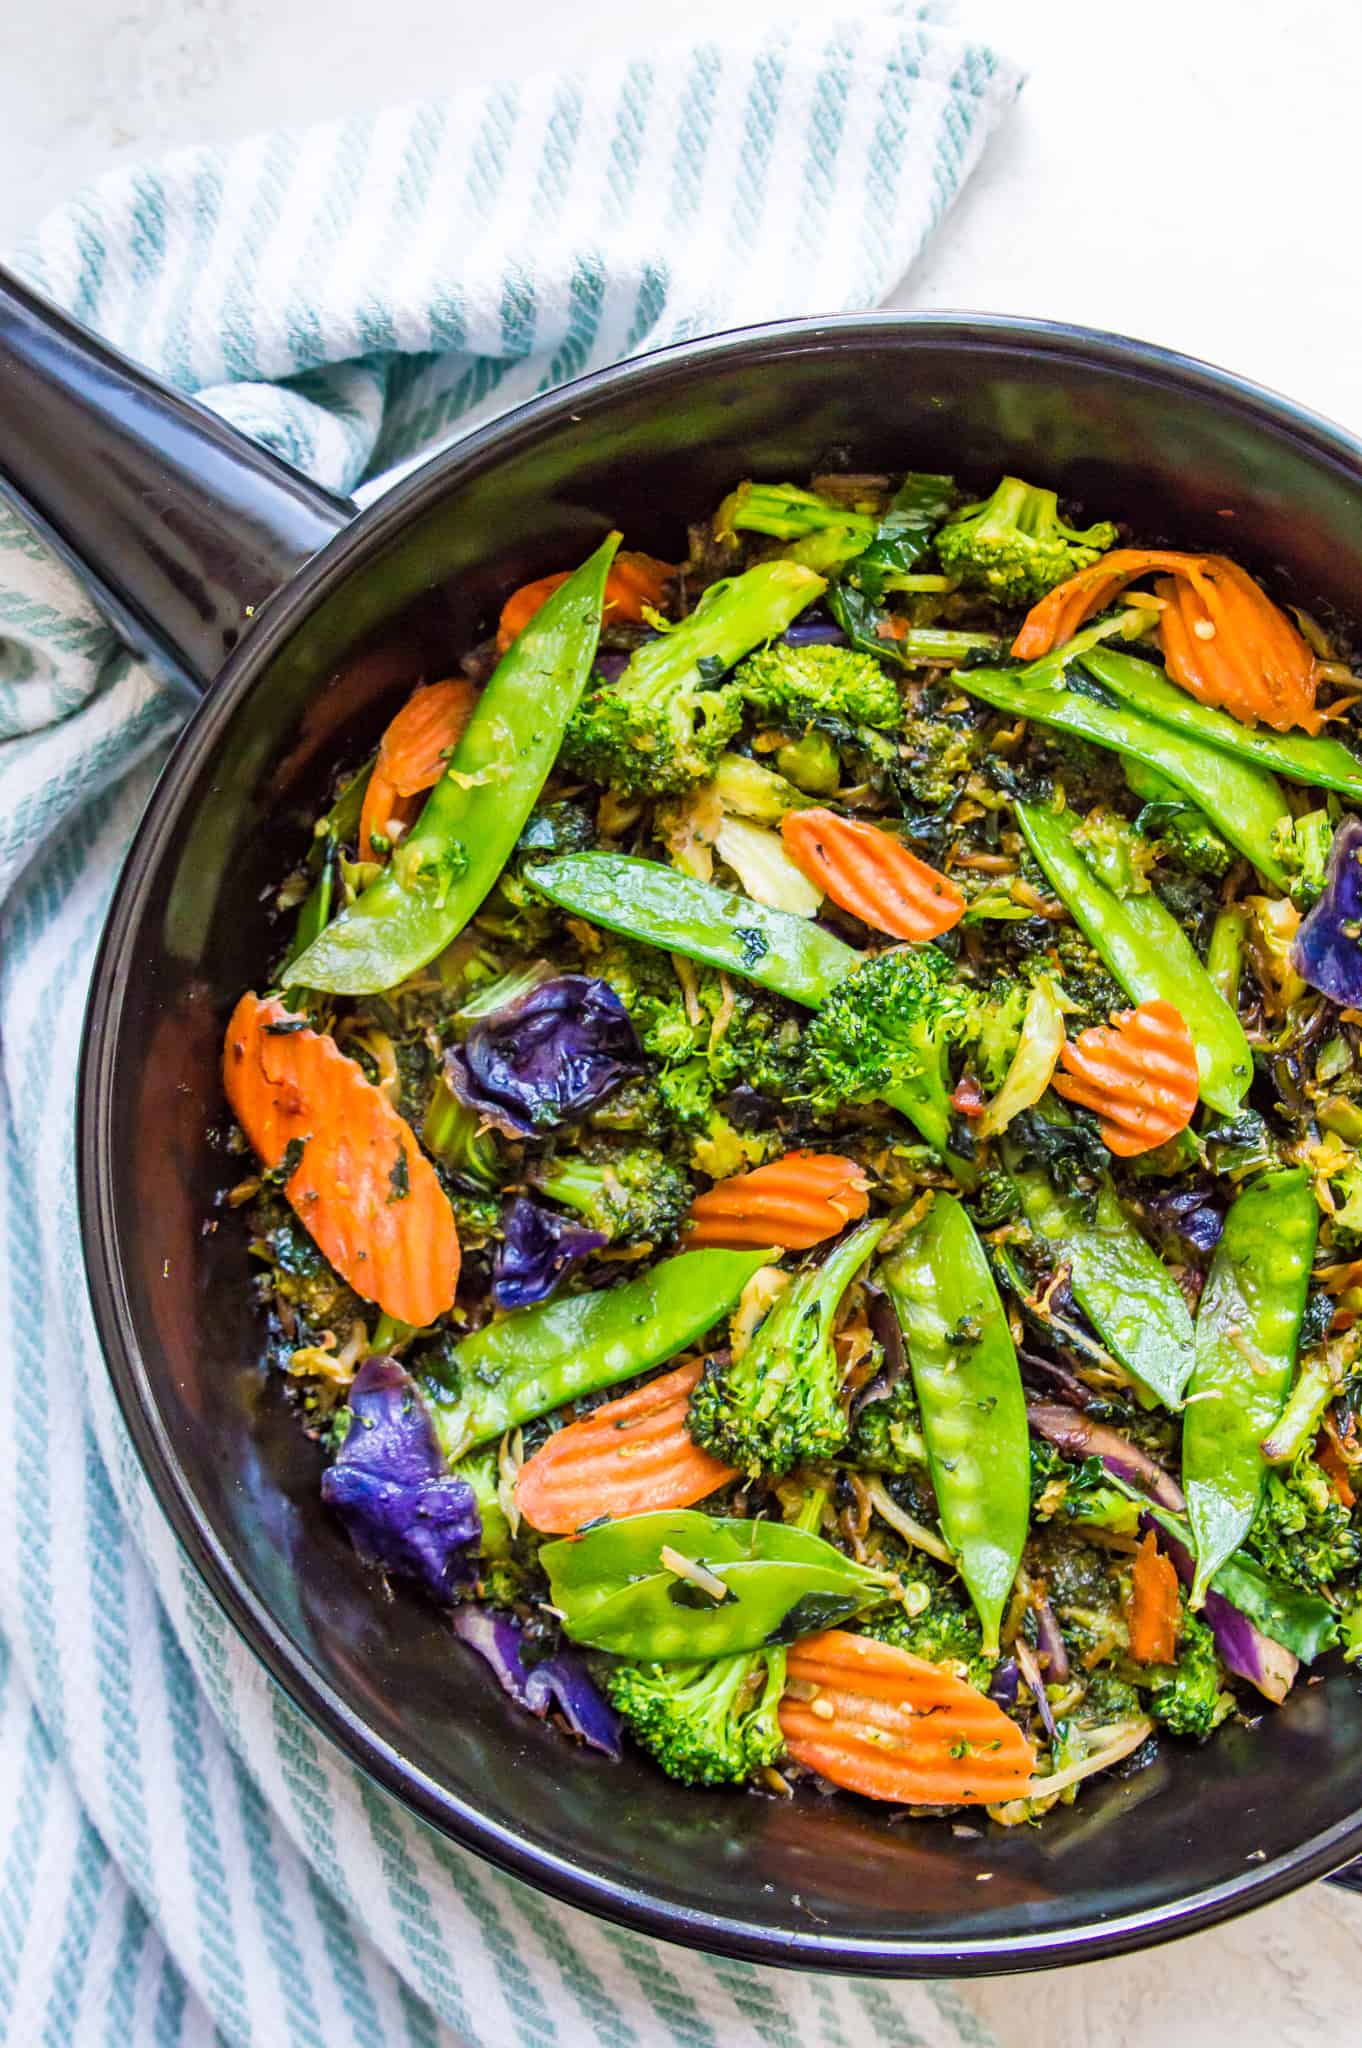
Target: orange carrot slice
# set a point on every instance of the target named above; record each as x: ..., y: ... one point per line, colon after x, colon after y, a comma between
x: 794, y: 1202
x: 1223, y: 639
x: 363, y: 1188
x: 1154, y: 1611
x: 635, y: 581
x: 887, y: 1724
x: 1139, y: 1077
x: 1064, y: 609
x: 630, y: 1457
x: 871, y: 874
x: 412, y: 756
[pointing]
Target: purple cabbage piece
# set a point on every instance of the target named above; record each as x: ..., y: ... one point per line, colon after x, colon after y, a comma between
x: 1050, y: 1643
x: 1003, y: 1684
x: 814, y: 633
x: 1248, y: 1653
x: 1189, y: 1217
x: 1080, y: 1437
x: 1035, y: 1678
x: 886, y: 1329
x: 1328, y: 948
x: 562, y: 1680
x: 538, y: 1246
x: 1243, y: 1647
x: 392, y: 1489
x: 1046, y: 1376
x: 546, y: 1057
x: 610, y: 667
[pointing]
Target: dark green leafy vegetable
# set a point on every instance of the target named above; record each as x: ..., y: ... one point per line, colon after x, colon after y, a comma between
x: 1128, y: 1294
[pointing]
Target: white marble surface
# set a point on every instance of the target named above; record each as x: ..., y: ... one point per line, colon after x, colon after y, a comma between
x: 1185, y: 171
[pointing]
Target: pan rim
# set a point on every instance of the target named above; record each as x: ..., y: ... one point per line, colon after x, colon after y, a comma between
x: 132, y: 1381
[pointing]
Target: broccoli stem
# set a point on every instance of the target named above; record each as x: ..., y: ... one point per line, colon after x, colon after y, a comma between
x: 453, y: 1133
x: 786, y: 512
x: 730, y: 620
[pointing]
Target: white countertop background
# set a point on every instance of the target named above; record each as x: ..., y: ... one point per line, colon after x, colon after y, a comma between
x: 1186, y: 172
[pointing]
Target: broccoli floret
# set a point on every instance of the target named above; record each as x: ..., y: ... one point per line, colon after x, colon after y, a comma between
x: 887, y: 1435
x: 300, y: 1276
x: 667, y: 720
x: 734, y: 1037
x: 799, y: 686
x: 627, y: 1194
x: 780, y: 1404
x: 712, y: 1723
x: 1191, y: 1698
x: 1302, y: 846
x: 788, y: 512
x: 1015, y: 545
x: 944, y: 1629
x: 1303, y: 1533
x: 884, y: 1034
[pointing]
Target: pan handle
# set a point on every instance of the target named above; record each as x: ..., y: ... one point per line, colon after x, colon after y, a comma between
x: 180, y: 527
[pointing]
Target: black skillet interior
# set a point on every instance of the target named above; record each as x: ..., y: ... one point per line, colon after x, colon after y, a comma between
x: 814, y: 1881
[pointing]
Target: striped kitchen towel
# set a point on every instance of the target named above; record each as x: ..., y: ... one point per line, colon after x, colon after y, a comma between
x: 182, y: 1858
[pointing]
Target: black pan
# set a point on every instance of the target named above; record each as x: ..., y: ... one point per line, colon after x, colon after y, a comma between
x: 302, y: 626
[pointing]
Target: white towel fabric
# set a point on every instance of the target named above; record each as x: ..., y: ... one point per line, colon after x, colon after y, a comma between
x: 182, y: 1858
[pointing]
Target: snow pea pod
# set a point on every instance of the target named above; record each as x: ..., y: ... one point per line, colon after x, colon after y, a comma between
x: 1321, y: 762
x: 1247, y: 1329
x: 1244, y: 803
x: 616, y: 1590
x: 536, y: 1359
x: 1142, y: 945
x: 472, y: 818
x: 1119, y: 1281
x: 973, y: 1405
x: 652, y: 903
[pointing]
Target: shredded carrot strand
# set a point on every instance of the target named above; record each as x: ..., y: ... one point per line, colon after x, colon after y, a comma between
x: 887, y: 1724
x: 630, y: 1457
x: 1139, y: 1077
x: 793, y: 1202
x: 1154, y: 1612
x: 363, y: 1188
x: 871, y: 874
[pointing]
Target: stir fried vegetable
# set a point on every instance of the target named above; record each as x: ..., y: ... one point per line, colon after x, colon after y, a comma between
x: 805, y: 1172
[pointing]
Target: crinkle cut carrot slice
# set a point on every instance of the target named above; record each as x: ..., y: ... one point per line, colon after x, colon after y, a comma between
x: 629, y: 1457
x: 363, y: 1188
x: 880, y: 1721
x: 871, y: 874
x: 1138, y: 1076
x: 793, y: 1202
